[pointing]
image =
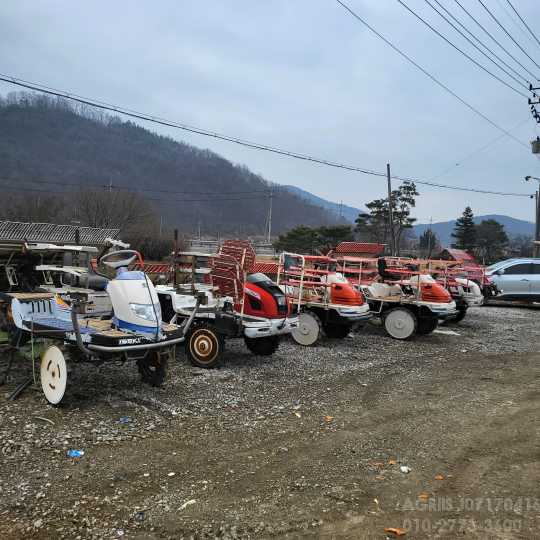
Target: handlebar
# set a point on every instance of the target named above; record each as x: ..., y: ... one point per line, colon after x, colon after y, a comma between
x: 124, y: 258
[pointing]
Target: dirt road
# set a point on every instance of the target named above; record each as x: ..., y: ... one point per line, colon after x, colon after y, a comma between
x: 311, y: 443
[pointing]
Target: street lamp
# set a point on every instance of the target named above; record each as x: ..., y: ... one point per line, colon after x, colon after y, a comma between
x: 536, y: 242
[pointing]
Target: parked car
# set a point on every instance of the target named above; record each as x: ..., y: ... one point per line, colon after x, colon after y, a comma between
x: 517, y: 279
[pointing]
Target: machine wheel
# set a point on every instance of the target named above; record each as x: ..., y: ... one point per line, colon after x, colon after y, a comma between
x: 153, y: 367
x: 263, y: 346
x: 308, y: 330
x: 204, y: 347
x: 462, y: 311
x: 400, y: 323
x: 53, y: 373
x: 426, y: 325
x: 338, y: 331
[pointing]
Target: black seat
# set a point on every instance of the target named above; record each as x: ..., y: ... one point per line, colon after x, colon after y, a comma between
x: 94, y: 282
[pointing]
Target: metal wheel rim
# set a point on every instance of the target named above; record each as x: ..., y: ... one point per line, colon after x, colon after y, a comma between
x: 308, y: 329
x: 53, y: 373
x: 400, y: 324
x: 203, y: 346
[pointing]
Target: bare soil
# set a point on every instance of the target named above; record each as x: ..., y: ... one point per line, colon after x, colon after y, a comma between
x: 310, y: 443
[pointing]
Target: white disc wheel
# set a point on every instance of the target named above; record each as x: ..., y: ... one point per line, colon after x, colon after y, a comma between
x: 53, y: 375
x: 400, y: 323
x: 308, y: 330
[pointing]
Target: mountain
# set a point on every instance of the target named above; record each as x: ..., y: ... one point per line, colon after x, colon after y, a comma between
x: 50, y: 145
x: 443, y: 229
x: 349, y: 213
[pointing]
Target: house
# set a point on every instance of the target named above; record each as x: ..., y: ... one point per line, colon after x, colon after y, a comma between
x: 451, y: 254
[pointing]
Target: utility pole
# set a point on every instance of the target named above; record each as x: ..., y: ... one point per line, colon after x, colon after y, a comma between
x: 390, y: 212
x: 430, y: 247
x: 536, y: 243
x: 269, y: 231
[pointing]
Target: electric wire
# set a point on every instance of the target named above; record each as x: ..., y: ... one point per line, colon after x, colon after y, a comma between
x: 266, y: 194
x: 523, y: 21
x: 428, y: 74
x: 478, y: 64
x: 508, y: 34
x: 477, y: 151
x: 287, y: 153
x: 516, y: 22
x: 452, y: 16
x: 495, y: 40
x: 121, y: 187
x: 185, y: 127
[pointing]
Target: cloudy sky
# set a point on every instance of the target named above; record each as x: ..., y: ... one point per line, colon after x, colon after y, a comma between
x: 302, y: 75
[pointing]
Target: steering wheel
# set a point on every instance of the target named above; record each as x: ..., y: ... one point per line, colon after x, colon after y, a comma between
x: 124, y: 257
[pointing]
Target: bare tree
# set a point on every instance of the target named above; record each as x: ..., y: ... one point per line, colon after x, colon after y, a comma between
x: 123, y: 209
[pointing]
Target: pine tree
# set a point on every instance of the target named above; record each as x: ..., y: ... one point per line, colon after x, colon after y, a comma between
x: 428, y: 243
x: 492, y: 240
x: 465, y: 231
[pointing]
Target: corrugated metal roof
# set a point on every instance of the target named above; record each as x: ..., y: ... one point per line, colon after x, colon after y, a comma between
x: 14, y: 231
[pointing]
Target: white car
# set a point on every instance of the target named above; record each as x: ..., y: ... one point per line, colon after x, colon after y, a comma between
x: 517, y: 279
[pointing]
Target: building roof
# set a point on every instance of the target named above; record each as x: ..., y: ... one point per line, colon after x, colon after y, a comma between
x: 13, y: 231
x: 359, y: 247
x: 459, y: 254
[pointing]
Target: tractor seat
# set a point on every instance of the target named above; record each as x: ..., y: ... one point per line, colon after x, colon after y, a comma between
x: 94, y: 282
x: 383, y: 290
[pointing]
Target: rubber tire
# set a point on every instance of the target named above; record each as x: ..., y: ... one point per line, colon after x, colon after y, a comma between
x: 203, y: 334
x: 263, y: 346
x: 426, y: 325
x: 337, y: 331
x: 409, y: 312
x: 296, y: 331
x: 462, y: 311
x: 153, y: 367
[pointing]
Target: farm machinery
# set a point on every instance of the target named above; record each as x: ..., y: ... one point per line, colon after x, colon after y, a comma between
x: 464, y: 289
x: 324, y: 300
x: 89, y: 316
x: 236, y: 303
x: 407, y: 302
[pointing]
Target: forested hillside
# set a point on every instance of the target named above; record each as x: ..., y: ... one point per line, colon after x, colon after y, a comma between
x: 48, y: 145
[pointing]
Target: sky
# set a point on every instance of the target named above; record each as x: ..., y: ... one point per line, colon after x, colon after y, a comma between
x: 306, y: 76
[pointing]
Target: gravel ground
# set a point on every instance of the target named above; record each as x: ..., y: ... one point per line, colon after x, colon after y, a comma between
x: 307, y: 443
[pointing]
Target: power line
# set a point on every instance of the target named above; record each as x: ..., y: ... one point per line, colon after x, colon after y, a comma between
x: 121, y: 187
x: 460, y: 50
x: 460, y: 188
x: 26, y: 189
x: 508, y: 34
x: 477, y: 151
x: 512, y: 18
x: 523, y: 21
x: 496, y: 41
x: 452, y: 16
x: 184, y: 127
x: 250, y: 195
x: 141, y: 116
x: 216, y: 196
x: 428, y: 74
